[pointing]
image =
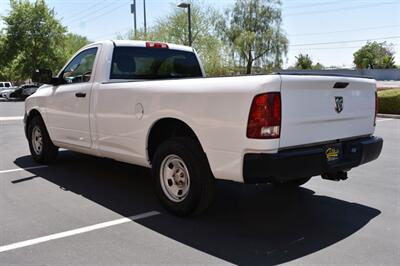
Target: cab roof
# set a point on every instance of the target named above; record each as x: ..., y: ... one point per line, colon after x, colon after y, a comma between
x: 129, y: 43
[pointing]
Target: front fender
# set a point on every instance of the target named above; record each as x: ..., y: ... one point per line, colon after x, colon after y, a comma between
x: 36, y: 105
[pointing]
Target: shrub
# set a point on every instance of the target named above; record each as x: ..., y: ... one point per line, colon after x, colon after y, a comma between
x: 389, y: 101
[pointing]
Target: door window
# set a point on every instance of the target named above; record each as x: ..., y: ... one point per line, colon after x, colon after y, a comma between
x: 80, y: 68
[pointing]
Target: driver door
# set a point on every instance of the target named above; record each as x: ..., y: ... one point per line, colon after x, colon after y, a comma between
x: 68, y: 107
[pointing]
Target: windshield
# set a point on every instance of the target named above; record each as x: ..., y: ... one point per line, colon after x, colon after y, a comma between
x: 152, y: 63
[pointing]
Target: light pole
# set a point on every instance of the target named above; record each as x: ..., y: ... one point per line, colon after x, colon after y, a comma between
x: 133, y: 11
x: 144, y: 18
x: 186, y: 5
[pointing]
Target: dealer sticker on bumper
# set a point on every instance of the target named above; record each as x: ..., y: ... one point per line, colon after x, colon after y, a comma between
x: 332, y: 154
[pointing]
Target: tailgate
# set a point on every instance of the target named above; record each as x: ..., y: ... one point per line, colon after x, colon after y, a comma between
x: 324, y: 108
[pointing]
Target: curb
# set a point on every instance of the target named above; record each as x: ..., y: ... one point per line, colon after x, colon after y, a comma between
x: 389, y: 116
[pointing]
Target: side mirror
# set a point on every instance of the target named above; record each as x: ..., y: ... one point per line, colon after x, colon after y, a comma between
x: 44, y: 76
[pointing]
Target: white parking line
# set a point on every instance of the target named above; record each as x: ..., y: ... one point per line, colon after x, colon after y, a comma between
x: 22, y: 169
x: 11, y: 118
x: 76, y: 231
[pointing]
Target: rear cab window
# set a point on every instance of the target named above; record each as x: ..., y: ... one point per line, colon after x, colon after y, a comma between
x: 152, y: 63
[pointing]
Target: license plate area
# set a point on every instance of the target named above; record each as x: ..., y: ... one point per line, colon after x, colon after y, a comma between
x: 333, y: 153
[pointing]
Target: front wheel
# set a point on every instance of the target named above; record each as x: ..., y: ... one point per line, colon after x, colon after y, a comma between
x: 182, y: 177
x: 40, y: 145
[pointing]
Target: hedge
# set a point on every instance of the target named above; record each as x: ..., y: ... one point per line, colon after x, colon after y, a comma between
x: 389, y: 101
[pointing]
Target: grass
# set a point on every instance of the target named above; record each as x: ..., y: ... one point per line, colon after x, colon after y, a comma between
x: 389, y: 101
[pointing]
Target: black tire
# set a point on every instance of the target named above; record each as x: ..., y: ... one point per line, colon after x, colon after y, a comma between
x: 292, y: 184
x: 48, y: 152
x: 202, y: 183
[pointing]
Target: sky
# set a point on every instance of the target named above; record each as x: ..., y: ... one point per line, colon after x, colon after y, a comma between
x: 329, y: 31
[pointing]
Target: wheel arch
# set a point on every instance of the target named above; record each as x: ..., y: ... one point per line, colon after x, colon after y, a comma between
x: 29, y: 116
x: 166, y: 128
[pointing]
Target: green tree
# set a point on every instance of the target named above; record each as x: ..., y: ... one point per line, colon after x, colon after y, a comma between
x: 318, y: 66
x: 10, y: 72
x: 32, y: 37
x: 388, y: 62
x: 375, y: 55
x: 174, y: 29
x: 70, y: 45
x: 304, y: 61
x: 253, y: 30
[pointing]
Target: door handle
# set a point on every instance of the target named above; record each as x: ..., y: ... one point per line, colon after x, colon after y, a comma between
x: 80, y: 94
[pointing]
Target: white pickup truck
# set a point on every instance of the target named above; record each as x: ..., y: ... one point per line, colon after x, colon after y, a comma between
x: 150, y: 104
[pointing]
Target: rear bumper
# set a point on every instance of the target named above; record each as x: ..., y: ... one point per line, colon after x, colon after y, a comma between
x: 311, y: 161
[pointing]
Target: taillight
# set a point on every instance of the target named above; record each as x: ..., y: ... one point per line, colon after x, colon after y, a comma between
x: 156, y: 45
x: 265, y: 116
x: 376, y: 107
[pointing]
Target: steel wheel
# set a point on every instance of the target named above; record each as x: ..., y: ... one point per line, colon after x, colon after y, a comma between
x: 37, y: 140
x: 40, y: 145
x: 182, y: 177
x: 174, y: 178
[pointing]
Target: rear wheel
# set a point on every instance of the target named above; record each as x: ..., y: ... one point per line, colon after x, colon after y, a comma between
x: 40, y: 145
x: 291, y: 184
x: 182, y: 177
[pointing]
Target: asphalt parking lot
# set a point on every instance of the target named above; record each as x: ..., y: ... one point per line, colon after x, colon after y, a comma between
x: 87, y: 210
